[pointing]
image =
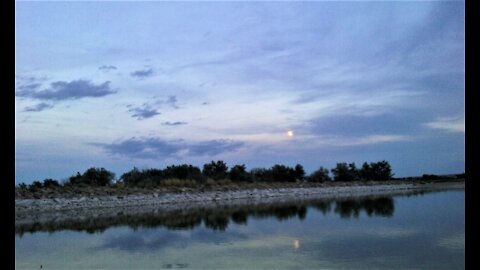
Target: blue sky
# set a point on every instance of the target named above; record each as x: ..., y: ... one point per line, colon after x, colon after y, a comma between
x: 150, y: 84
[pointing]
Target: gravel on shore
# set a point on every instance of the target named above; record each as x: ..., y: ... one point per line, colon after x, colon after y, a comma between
x: 27, y: 207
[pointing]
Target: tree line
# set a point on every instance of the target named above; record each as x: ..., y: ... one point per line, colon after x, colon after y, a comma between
x: 218, y: 171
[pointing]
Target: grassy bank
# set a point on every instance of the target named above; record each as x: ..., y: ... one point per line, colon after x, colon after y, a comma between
x: 181, y: 186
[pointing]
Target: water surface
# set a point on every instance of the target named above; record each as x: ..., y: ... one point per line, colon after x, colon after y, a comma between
x: 404, y: 232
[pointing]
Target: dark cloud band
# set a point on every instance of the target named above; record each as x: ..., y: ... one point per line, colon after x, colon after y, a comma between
x: 154, y: 148
x: 39, y: 107
x: 142, y: 73
x: 62, y: 90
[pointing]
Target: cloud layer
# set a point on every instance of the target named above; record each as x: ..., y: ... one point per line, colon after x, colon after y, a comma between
x: 62, y: 90
x: 178, y: 123
x: 450, y: 124
x: 39, y: 107
x: 107, y: 67
x: 143, y: 113
x: 155, y: 148
x: 142, y: 73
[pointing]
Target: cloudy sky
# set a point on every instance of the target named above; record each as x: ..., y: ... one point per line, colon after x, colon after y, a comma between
x: 150, y: 84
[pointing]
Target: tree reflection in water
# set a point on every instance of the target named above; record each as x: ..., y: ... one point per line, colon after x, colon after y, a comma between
x: 217, y: 218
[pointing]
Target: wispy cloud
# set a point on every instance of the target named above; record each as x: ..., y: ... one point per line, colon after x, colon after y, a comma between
x: 29, y: 87
x: 153, y: 148
x: 450, y: 124
x: 143, y: 148
x: 143, y: 113
x: 371, y: 139
x: 455, y: 242
x: 178, y: 123
x: 62, y: 90
x: 143, y: 73
x: 172, y: 101
x: 39, y: 107
x: 150, y: 109
x: 349, y: 141
x: 107, y: 67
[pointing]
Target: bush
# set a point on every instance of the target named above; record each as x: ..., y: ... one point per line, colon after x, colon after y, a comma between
x: 210, y: 182
x: 155, y: 177
x: 261, y: 175
x: 35, y: 186
x: 184, y: 172
x: 133, y: 177
x: 49, y: 183
x: 179, y: 183
x: 22, y: 186
x: 430, y: 177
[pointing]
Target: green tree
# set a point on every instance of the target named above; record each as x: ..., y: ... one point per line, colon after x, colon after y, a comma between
x: 299, y: 172
x: 381, y: 171
x: 261, y: 175
x: 366, y: 172
x: 35, y: 186
x: 93, y: 177
x: 132, y: 177
x: 75, y: 179
x: 184, y: 172
x: 98, y: 176
x: 238, y: 173
x: 216, y: 170
x: 282, y: 173
x: 344, y: 172
x: 320, y: 175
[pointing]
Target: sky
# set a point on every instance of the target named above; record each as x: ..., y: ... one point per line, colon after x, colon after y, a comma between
x: 150, y: 84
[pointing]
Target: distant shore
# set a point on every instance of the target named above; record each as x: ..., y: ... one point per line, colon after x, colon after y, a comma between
x: 56, y: 204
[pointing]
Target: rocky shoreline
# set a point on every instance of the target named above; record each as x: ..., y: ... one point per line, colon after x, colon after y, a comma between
x: 55, y: 206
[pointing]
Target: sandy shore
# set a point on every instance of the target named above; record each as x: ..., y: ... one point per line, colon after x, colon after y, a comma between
x: 31, y: 208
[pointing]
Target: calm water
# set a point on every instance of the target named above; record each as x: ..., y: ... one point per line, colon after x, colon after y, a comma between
x: 415, y: 232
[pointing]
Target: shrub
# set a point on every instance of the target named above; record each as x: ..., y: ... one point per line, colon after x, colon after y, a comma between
x: 210, y: 182
x: 261, y: 175
x: 49, y: 183
x: 430, y: 177
x: 184, y: 172
x: 22, y: 186
x: 35, y: 186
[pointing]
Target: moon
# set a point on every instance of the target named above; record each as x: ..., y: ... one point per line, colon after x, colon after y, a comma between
x: 290, y: 133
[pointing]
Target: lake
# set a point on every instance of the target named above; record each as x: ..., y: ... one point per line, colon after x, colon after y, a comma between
x: 421, y: 231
